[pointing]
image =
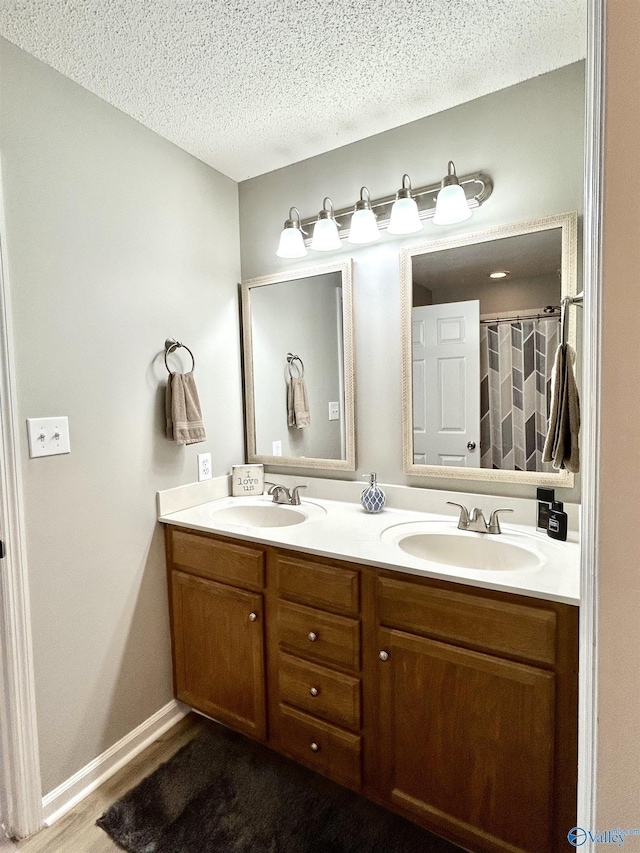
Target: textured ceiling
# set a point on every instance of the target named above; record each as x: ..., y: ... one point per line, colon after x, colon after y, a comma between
x: 249, y: 86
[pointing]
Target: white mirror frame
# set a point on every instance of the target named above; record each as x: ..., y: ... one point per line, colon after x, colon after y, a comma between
x: 349, y: 462
x: 568, y: 222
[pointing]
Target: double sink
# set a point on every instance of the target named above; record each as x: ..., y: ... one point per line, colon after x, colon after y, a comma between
x: 438, y: 542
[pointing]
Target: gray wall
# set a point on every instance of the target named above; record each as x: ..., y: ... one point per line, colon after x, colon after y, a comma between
x: 515, y: 295
x: 528, y: 137
x: 116, y: 240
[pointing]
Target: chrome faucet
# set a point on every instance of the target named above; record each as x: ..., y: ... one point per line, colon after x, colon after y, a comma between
x: 282, y: 495
x: 477, y: 522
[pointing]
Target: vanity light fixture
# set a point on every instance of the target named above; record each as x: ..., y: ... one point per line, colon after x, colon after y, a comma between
x: 499, y: 274
x: 451, y: 204
x: 364, y: 227
x: 402, y: 213
x: 405, y: 218
x: 291, y: 240
x: 325, y: 230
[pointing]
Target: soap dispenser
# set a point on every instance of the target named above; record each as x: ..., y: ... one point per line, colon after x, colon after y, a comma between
x: 557, y: 522
x: 373, y: 498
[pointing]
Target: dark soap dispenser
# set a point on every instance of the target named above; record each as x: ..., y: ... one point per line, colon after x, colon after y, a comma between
x: 546, y: 498
x: 557, y: 528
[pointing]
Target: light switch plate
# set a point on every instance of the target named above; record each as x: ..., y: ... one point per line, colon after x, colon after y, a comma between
x: 48, y: 436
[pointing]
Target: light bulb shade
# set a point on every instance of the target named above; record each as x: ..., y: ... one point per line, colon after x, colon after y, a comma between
x: 364, y: 227
x: 451, y: 206
x: 405, y: 218
x: 325, y: 236
x: 291, y: 244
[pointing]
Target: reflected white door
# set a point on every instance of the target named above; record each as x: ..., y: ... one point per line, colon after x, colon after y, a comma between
x: 446, y: 384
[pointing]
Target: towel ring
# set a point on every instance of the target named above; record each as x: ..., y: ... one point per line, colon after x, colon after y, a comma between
x: 169, y: 346
x: 299, y: 367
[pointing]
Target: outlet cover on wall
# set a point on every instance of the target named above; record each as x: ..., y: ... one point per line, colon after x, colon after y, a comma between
x: 204, y: 467
x: 48, y: 436
x: 277, y: 448
x: 334, y: 411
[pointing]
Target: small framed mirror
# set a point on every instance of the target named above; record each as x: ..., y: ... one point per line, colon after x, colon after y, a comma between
x: 299, y: 368
x: 481, y: 323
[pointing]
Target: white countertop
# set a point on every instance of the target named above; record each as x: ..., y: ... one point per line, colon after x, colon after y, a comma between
x: 344, y: 531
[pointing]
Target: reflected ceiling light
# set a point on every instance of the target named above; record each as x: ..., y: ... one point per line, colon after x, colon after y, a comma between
x: 364, y: 227
x: 291, y: 240
x: 451, y: 204
x: 405, y: 218
x: 499, y: 274
x: 325, y: 230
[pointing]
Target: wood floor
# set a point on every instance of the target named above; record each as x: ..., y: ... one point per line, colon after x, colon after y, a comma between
x: 76, y: 832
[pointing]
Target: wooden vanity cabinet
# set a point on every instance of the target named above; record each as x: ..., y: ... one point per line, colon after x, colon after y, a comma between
x: 217, y: 627
x: 477, y: 713
x: 314, y: 663
x: 454, y: 706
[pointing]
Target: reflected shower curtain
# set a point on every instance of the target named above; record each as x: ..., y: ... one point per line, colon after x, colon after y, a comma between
x: 516, y: 360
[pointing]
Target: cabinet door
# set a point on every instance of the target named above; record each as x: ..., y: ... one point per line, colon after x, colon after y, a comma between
x: 219, y: 651
x: 467, y: 743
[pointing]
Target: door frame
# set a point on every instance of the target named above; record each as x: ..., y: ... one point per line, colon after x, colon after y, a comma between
x: 19, y: 736
x: 591, y: 414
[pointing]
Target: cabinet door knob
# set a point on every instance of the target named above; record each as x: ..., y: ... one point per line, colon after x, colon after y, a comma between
x: 312, y: 636
x: 384, y: 655
x: 253, y: 617
x: 315, y: 747
x: 314, y: 691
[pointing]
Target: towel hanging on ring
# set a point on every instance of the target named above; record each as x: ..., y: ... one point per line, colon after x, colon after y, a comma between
x: 298, y: 415
x: 182, y: 403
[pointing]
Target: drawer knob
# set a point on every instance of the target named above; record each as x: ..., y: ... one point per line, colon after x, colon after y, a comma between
x: 314, y: 691
x: 384, y: 655
x: 253, y: 617
x: 315, y: 747
x: 312, y: 636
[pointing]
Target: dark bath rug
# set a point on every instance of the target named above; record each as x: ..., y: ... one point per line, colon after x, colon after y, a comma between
x: 223, y: 793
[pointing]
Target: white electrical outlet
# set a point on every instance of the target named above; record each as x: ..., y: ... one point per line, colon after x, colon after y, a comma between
x: 204, y: 467
x: 277, y: 448
x: 334, y: 411
x: 48, y: 436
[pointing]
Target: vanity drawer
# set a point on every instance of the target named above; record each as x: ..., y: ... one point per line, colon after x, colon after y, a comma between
x: 318, y: 585
x: 319, y: 636
x: 323, y: 747
x: 480, y: 622
x: 322, y: 692
x: 238, y: 565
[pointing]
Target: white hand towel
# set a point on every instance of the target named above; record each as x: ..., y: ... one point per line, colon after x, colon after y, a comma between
x: 184, y: 415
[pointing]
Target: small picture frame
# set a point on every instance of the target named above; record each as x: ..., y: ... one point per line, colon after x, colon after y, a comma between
x: 247, y: 480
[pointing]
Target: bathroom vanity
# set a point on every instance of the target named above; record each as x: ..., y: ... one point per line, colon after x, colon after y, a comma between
x: 447, y: 697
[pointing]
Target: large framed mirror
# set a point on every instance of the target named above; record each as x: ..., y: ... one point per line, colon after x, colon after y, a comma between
x: 481, y: 322
x: 299, y: 368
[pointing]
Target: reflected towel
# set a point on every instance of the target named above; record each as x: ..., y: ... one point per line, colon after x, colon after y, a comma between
x: 297, y: 404
x: 184, y: 416
x: 561, y: 445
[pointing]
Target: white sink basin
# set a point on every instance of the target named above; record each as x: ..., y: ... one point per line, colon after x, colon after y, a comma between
x: 262, y: 512
x: 442, y: 543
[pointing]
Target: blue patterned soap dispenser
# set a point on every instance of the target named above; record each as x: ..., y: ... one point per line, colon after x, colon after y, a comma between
x: 373, y: 498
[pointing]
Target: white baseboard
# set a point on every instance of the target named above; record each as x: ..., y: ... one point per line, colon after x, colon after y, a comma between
x: 63, y: 798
